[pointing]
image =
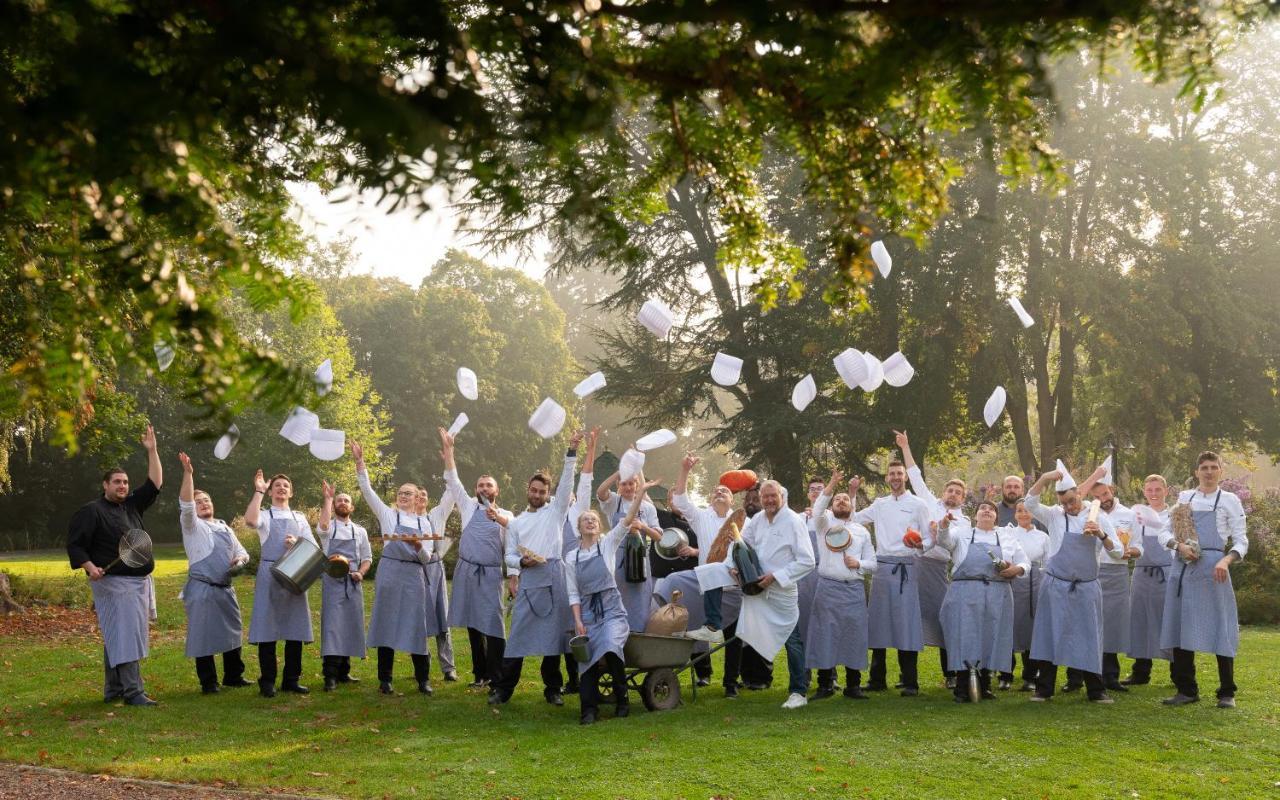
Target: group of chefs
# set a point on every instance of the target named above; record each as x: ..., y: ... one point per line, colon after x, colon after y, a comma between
x: 1048, y: 580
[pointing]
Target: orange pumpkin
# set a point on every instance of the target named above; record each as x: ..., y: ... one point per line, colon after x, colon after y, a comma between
x: 739, y: 480
x: 912, y: 538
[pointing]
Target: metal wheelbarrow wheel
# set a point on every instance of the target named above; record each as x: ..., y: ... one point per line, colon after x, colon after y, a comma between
x: 604, y: 685
x: 661, y: 690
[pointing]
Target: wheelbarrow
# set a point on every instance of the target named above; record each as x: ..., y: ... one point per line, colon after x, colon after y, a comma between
x: 653, y: 666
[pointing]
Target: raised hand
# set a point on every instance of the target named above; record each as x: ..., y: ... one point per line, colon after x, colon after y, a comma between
x: 357, y: 454
x: 259, y: 482
x: 900, y: 439
x: 576, y: 439
x: 855, y: 483
x: 690, y: 461
x: 326, y: 489
x: 446, y: 439
x: 149, y: 439
x: 186, y: 463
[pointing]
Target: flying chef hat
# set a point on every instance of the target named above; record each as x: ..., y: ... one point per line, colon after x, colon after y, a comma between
x: 1023, y: 316
x: 852, y: 367
x: 228, y: 441
x: 995, y: 407
x: 880, y: 255
x: 875, y: 373
x: 652, y: 441
x: 547, y: 419
x: 467, y: 385
x: 1107, y: 479
x: 324, y: 377
x: 1066, y: 482
x: 164, y: 355
x: 459, y: 423
x: 726, y: 369
x: 589, y: 384
x: 804, y: 393
x: 630, y: 464
x: 897, y: 370
x: 327, y: 445
x: 299, y: 426
x: 655, y: 316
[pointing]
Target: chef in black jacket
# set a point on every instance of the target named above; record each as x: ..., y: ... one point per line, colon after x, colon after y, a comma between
x: 122, y: 595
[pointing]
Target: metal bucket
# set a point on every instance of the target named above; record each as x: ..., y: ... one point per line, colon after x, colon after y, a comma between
x: 581, y: 649
x: 300, y: 567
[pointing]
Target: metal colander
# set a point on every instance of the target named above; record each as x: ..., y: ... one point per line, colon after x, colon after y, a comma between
x: 134, y: 550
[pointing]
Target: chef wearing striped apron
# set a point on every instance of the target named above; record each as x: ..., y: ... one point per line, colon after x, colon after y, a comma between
x: 541, y: 620
x: 598, y: 613
x: 1150, y: 577
x: 476, y: 602
x: 278, y: 614
x: 1068, y: 626
x: 213, y: 612
x: 894, y: 610
x: 836, y: 634
x: 1113, y: 577
x: 437, y: 586
x: 637, y: 597
x: 399, y: 621
x: 342, y: 599
x: 1200, y: 604
x: 1035, y: 543
x: 977, y: 614
x: 122, y: 595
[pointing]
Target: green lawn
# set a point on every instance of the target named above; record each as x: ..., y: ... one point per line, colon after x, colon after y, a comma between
x: 358, y: 743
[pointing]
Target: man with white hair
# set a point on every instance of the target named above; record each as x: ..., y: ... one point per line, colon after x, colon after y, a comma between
x: 769, y: 620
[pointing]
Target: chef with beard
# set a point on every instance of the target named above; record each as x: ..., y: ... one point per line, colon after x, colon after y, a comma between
x: 342, y: 598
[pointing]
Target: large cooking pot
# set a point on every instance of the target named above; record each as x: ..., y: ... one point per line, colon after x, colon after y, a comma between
x: 300, y: 567
x: 668, y: 547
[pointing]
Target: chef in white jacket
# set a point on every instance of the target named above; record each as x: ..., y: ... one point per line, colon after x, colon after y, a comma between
x: 213, y: 612
x: 1113, y: 576
x: 933, y: 561
x: 399, y: 621
x: 541, y: 620
x: 769, y: 620
x: 836, y: 631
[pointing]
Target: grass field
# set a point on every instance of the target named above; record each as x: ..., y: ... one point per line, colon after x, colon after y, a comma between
x: 358, y: 743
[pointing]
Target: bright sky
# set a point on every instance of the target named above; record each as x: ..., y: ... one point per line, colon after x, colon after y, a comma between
x: 403, y: 244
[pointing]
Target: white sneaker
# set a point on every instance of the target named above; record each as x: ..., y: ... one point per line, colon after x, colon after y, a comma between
x: 795, y: 701
x: 706, y: 634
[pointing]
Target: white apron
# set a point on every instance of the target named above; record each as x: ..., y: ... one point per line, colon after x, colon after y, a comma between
x: 768, y: 618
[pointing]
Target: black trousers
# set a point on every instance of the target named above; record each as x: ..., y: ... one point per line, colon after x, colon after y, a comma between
x: 827, y: 678
x: 387, y: 660
x: 1047, y: 676
x: 1110, y: 668
x: 1183, y: 671
x: 571, y: 670
x: 552, y: 680
x: 1028, y: 667
x: 267, y: 665
x: 755, y: 668
x: 732, y: 656
x: 908, y: 670
x: 232, y: 668
x: 942, y: 661
x: 486, y: 655
x: 589, y: 682
x: 962, y: 683
x: 336, y: 667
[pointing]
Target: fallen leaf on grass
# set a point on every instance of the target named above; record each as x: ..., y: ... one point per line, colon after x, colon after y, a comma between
x: 318, y: 774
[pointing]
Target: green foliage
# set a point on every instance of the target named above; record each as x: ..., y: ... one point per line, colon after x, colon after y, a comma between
x: 1257, y: 577
x: 148, y: 182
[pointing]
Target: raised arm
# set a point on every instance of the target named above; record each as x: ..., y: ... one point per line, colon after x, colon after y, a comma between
x: 453, y: 484
x: 564, y: 488
x: 824, y: 499
x: 379, y: 508
x: 187, y: 497
x: 602, y: 493
x: 914, y: 474
x: 582, y: 495
x: 154, y: 471
x: 326, y: 511
x: 254, y: 509
x: 1085, y: 488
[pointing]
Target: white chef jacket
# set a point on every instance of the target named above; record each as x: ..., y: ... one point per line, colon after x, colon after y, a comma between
x: 1230, y: 515
x: 706, y: 523
x: 937, y: 510
x: 346, y: 530
x: 541, y: 530
x: 1035, y: 542
x: 1054, y: 519
x: 891, y: 516
x: 831, y: 563
x: 1121, y: 516
x: 956, y: 545
x: 198, y: 537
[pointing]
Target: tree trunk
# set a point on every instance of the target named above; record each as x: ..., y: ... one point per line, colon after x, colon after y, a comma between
x: 7, y: 604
